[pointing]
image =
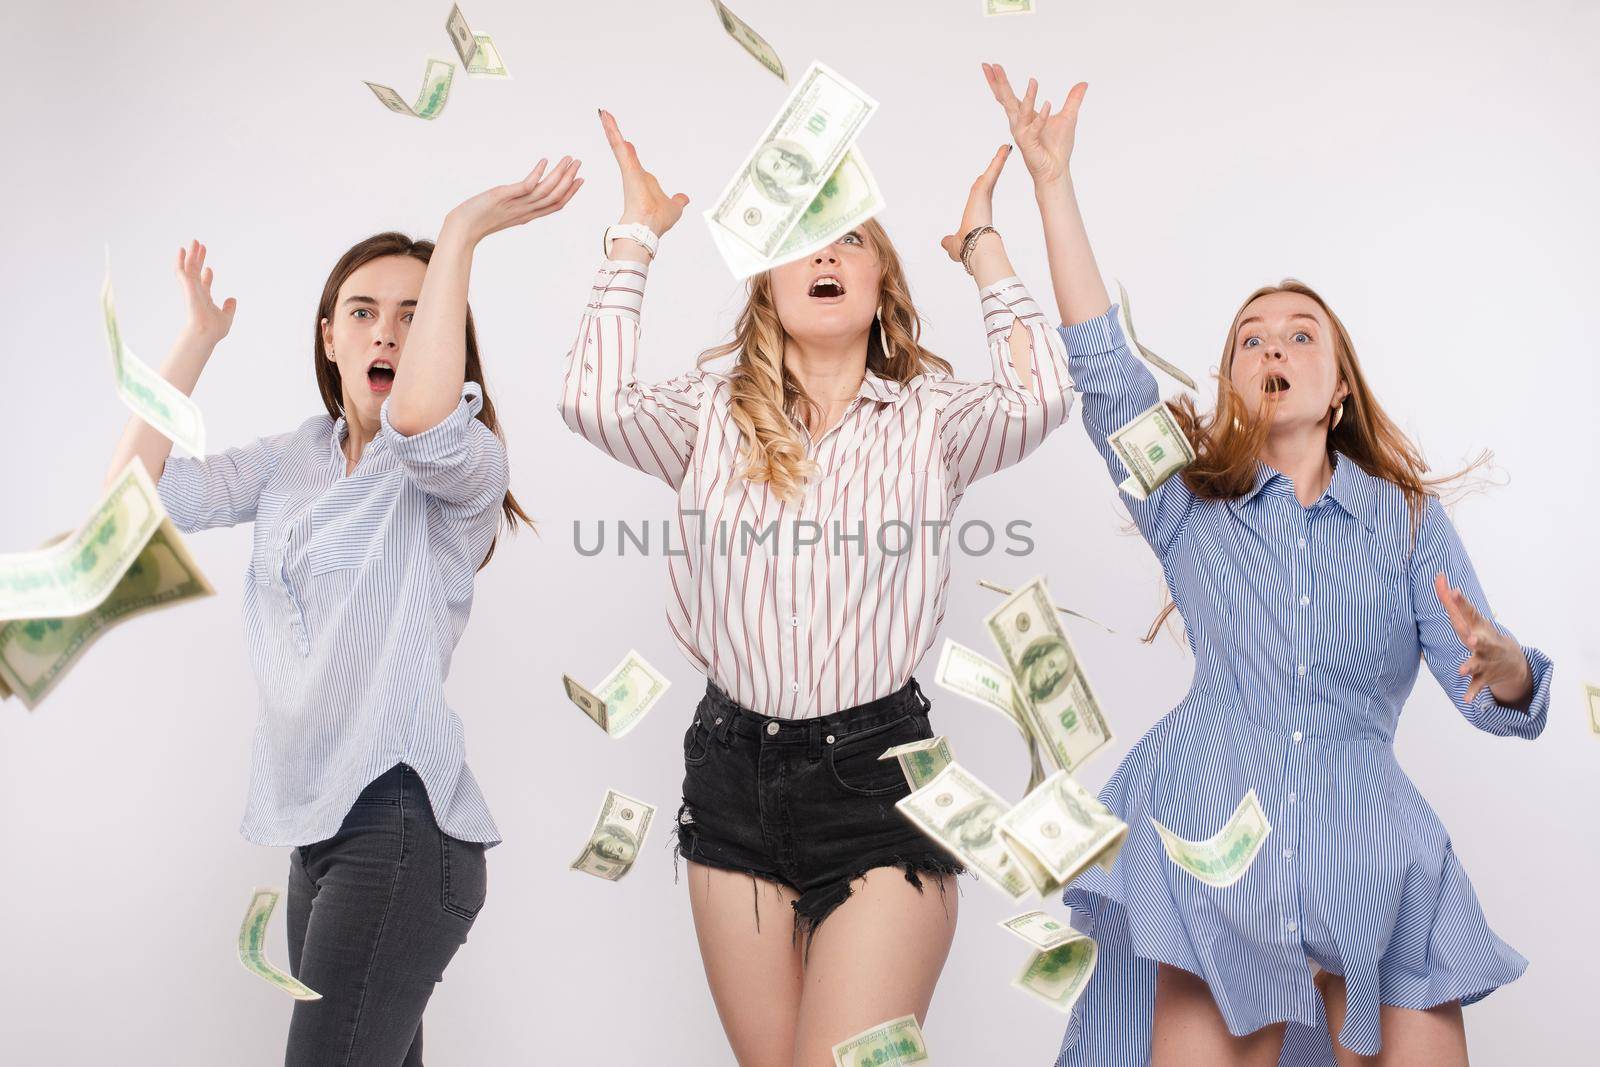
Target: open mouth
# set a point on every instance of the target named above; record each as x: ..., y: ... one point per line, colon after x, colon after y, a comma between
x: 827, y: 288
x: 1274, y: 384
x: 380, y: 376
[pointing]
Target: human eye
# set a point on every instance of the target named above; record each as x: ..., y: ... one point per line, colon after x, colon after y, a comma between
x: 1302, y: 337
x: 1249, y: 342
x: 359, y: 312
x: 853, y: 236
x: 408, y: 316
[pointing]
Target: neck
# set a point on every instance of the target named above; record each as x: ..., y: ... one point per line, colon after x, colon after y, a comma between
x: 1301, y: 453
x: 357, y: 435
x: 830, y: 372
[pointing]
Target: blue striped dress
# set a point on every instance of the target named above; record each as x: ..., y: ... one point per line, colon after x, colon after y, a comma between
x: 358, y: 589
x: 1307, y: 625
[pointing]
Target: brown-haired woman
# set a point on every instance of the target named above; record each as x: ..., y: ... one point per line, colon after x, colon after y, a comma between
x: 844, y: 445
x: 370, y: 523
x: 1314, y: 566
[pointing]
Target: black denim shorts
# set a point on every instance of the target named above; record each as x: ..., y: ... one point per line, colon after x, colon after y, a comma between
x: 805, y: 803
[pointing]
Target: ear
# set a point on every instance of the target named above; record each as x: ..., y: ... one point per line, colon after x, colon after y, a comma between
x: 327, y: 339
x: 1341, y: 394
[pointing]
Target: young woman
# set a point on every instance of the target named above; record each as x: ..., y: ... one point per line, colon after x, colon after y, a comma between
x: 814, y: 481
x: 370, y: 524
x: 1313, y: 565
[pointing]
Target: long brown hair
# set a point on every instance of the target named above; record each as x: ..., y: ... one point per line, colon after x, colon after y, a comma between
x: 329, y: 383
x: 764, y: 393
x: 1228, y: 441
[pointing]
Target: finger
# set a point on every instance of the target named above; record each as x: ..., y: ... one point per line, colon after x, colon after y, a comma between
x: 199, y: 257
x: 681, y: 199
x: 1002, y: 88
x: 1074, y: 101
x: 1029, y: 97
x: 1452, y: 610
x: 991, y: 174
x: 535, y: 174
x: 950, y: 245
x: 205, y: 280
x: 1477, y: 686
x: 554, y: 191
x: 229, y: 306
x: 1044, y: 114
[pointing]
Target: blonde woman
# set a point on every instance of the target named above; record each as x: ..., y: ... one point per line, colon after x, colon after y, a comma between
x: 816, y: 481
x: 1314, y: 567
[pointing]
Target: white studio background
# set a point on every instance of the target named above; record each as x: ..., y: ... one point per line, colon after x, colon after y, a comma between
x: 1429, y: 166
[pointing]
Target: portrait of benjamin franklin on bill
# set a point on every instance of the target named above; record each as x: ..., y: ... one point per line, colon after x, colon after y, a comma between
x: 1046, y: 668
x: 784, y: 171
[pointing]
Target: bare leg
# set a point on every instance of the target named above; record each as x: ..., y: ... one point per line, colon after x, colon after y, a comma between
x: 1189, y: 1030
x: 754, y: 974
x: 1435, y: 1037
x: 877, y: 957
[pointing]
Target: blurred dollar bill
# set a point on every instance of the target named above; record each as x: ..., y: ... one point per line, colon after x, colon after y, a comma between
x: 478, y: 53
x: 1155, y: 360
x: 1003, y: 591
x: 1221, y: 859
x: 620, y: 701
x: 1059, y: 975
x: 960, y: 813
x: 749, y: 39
x: 1052, y: 688
x: 1062, y: 828
x: 920, y: 761
x: 253, y: 947
x: 1593, y: 692
x: 972, y: 675
x: 1153, y: 448
x: 5, y: 690
x: 888, y: 1044
x: 780, y: 180
x: 619, y: 832
x: 146, y: 393
x: 848, y: 198
x: 431, y: 97
x: 1008, y: 7
x: 1040, y: 929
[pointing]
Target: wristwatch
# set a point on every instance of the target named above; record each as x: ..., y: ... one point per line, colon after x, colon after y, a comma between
x: 634, y: 231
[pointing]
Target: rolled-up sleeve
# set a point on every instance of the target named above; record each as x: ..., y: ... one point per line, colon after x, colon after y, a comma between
x: 1439, y: 549
x: 221, y: 489
x: 458, y: 461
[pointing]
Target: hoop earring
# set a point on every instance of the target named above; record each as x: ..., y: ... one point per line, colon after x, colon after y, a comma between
x: 1338, y: 413
x: 883, y: 337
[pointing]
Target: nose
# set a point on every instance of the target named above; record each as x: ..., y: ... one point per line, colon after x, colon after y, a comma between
x: 826, y: 256
x: 384, y: 337
x: 1274, y: 352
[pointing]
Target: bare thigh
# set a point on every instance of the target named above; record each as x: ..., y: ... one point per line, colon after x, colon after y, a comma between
x: 745, y: 926
x: 1189, y: 1030
x: 1435, y: 1037
x: 876, y: 957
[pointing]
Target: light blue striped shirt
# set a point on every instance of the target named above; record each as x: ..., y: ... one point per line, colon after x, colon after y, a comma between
x: 1307, y: 626
x: 358, y: 589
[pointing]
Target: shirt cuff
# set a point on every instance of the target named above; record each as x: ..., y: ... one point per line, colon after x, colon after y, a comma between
x: 438, y: 440
x: 618, y: 289
x: 1096, y: 336
x: 1503, y: 720
x: 1003, y: 300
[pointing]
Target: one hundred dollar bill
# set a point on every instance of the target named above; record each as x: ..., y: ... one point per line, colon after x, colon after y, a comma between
x: 1155, y: 360
x: 921, y: 761
x: 478, y: 54
x: 1153, y: 448
x: 431, y: 98
x: 1040, y: 929
x: 1052, y: 686
x: 1063, y: 828
x: 620, y: 701
x: 775, y: 186
x: 253, y: 947
x: 618, y: 835
x: 35, y: 654
x: 1221, y: 859
x: 898, y: 1041
x: 847, y: 199
x: 1059, y: 975
x: 749, y: 39
x: 959, y: 813
x: 1593, y: 692
x: 1003, y: 591
x: 1007, y: 7
x: 146, y: 393
x: 975, y: 676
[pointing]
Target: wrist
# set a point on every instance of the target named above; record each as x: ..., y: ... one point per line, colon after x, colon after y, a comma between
x: 456, y: 236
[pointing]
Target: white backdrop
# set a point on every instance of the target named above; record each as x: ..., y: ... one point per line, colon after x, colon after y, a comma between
x: 1429, y: 166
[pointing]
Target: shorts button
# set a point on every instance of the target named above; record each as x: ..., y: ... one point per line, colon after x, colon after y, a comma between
x: 719, y: 720
x: 772, y: 727
x: 829, y: 739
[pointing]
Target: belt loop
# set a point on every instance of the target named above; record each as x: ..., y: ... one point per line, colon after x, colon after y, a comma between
x: 922, y: 698
x: 814, y: 740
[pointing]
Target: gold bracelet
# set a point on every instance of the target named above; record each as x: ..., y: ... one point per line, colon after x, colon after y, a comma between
x: 970, y: 242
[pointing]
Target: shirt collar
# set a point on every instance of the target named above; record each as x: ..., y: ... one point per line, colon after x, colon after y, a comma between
x: 876, y: 387
x: 1353, y: 489
x: 336, y: 443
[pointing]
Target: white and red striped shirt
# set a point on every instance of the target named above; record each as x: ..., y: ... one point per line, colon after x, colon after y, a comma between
x: 800, y: 609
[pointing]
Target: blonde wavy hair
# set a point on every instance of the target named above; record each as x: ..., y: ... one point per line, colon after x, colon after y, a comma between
x: 765, y: 395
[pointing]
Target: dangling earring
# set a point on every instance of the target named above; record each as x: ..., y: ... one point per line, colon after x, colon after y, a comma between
x: 883, y: 338
x: 1338, y: 413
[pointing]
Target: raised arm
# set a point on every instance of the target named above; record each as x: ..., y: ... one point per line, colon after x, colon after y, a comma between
x: 987, y: 426
x: 1113, y: 384
x: 649, y: 427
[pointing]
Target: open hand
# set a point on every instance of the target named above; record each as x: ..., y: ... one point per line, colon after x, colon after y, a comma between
x: 980, y: 203
x: 642, y: 197
x: 207, y: 322
x: 504, y: 206
x: 1497, y: 662
x: 1045, y: 140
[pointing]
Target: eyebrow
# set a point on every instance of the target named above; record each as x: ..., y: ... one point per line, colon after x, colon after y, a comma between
x: 374, y: 303
x: 1296, y: 315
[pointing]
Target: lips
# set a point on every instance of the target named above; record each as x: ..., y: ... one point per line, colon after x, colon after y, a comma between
x: 1274, y: 384
x: 380, y: 375
x: 826, y: 289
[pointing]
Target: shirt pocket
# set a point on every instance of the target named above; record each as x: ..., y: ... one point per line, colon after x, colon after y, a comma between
x: 347, y: 530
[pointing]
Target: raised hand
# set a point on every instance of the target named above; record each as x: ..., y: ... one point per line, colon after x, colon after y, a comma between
x: 980, y: 203
x: 504, y: 206
x: 207, y: 323
x: 642, y: 197
x: 1497, y: 662
x: 1045, y: 140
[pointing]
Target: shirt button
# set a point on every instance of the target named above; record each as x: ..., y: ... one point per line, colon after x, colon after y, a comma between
x: 1293, y: 926
x: 1291, y: 798
x: 1304, y: 600
x: 1288, y: 853
x: 1302, y: 542
x: 794, y: 687
x: 1298, y: 737
x: 772, y: 727
x: 1301, y: 670
x: 794, y: 620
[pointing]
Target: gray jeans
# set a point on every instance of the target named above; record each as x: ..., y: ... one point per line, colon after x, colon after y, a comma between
x: 375, y: 914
